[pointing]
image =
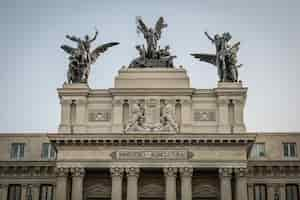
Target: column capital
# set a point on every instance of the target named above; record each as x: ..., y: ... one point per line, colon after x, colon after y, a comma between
x: 132, y: 171
x: 186, y: 171
x: 250, y: 185
x: 170, y: 171
x: 77, y: 172
x: 117, y: 171
x: 118, y: 102
x: 62, y: 171
x: 221, y: 101
x: 225, y: 172
x: 65, y: 101
x: 240, y: 172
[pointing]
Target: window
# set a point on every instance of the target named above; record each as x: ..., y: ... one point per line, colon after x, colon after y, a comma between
x: 260, y: 192
x: 46, y: 192
x: 289, y: 149
x: 258, y: 150
x: 292, y: 192
x: 14, y: 192
x: 17, y: 151
x: 48, y: 151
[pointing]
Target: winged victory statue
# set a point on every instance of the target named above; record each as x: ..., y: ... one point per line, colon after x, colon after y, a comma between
x: 152, y: 55
x: 225, y: 58
x: 81, y: 57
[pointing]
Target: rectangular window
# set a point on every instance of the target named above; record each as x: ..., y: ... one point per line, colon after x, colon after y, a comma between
x: 289, y: 149
x: 258, y: 150
x: 17, y: 151
x: 48, y: 151
x: 292, y: 192
x: 260, y: 192
x: 14, y: 192
x: 46, y: 192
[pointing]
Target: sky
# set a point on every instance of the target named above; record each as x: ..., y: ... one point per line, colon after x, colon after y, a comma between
x: 33, y: 66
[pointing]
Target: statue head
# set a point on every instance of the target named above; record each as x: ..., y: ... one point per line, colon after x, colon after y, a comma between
x: 227, y: 36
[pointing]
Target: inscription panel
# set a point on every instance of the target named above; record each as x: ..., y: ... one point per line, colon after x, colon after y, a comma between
x: 204, y: 115
x: 99, y: 115
x: 152, y: 155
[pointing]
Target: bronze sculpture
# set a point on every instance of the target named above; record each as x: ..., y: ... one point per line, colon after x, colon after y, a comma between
x: 225, y: 58
x: 81, y: 58
x: 152, y: 55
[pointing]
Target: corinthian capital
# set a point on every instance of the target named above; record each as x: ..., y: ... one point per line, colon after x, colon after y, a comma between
x: 132, y: 171
x: 186, y: 171
x: 77, y: 171
x: 170, y: 171
x: 117, y: 171
x: 61, y: 171
x: 225, y: 172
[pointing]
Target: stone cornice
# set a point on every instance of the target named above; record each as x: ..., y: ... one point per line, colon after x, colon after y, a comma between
x: 275, y: 163
x: 28, y: 163
x: 152, y: 139
x: 151, y: 91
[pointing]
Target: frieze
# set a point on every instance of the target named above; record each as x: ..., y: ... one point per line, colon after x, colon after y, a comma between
x: 152, y: 155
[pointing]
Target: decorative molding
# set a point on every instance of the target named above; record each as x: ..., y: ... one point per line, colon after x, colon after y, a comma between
x: 99, y: 115
x: 204, y: 115
x: 170, y: 171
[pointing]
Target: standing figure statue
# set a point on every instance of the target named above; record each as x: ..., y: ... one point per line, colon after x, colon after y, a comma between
x: 152, y: 55
x: 225, y: 58
x: 168, y: 120
x: 81, y: 58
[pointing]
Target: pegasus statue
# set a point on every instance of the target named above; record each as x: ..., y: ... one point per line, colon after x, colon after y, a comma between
x: 81, y: 58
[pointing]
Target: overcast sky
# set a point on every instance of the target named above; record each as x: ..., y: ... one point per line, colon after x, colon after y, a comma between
x: 33, y: 65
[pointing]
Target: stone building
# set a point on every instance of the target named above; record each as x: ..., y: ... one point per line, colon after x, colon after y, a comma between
x: 151, y: 137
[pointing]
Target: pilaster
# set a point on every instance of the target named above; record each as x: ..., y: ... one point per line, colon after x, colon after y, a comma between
x: 223, y: 115
x: 117, y: 177
x: 117, y: 126
x: 225, y: 183
x: 239, y: 126
x: 170, y: 179
x: 64, y: 126
x: 186, y: 174
x: 132, y: 183
x: 186, y: 115
x: 81, y: 115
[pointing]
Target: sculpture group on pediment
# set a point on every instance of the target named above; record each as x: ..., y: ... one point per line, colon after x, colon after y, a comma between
x: 144, y: 118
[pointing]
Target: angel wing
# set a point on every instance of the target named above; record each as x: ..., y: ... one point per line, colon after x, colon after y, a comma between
x: 69, y: 50
x: 209, y: 58
x: 100, y: 49
x: 159, y: 26
x: 141, y: 26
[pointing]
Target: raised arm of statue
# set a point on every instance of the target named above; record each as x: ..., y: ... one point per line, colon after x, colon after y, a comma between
x: 209, y: 37
x: 73, y: 38
x: 95, y: 36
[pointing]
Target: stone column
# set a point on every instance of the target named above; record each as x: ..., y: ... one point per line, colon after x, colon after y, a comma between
x: 64, y: 126
x: 35, y: 191
x: 4, y: 191
x: 186, y: 115
x: 225, y: 183
x: 61, y: 183
x: 80, y: 125
x: 117, y: 126
x: 132, y: 183
x: 77, y: 183
x: 23, y: 191
x: 239, y: 126
x: 241, y: 184
x: 250, y: 191
x: 186, y: 174
x: 282, y: 191
x: 170, y: 182
x: 116, y: 185
x: 270, y: 191
x: 223, y: 116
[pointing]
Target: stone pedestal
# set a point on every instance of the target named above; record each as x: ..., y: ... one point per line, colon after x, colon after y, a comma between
x: 77, y: 183
x: 116, y: 187
x: 170, y: 179
x: 186, y: 183
x: 152, y: 78
x: 61, y: 183
x: 241, y: 184
x: 132, y: 183
x: 225, y: 183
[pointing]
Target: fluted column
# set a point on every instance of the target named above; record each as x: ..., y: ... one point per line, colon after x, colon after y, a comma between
x: 132, y: 183
x: 270, y: 192
x: 241, y: 184
x: 225, y: 183
x: 35, y: 191
x: 170, y: 179
x: 250, y: 191
x: 116, y: 186
x: 186, y: 174
x: 61, y: 183
x: 77, y: 183
x: 4, y: 191
x: 282, y: 191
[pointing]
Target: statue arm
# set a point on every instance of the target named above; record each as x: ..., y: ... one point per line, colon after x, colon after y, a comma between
x: 95, y: 36
x: 209, y: 37
x: 73, y: 38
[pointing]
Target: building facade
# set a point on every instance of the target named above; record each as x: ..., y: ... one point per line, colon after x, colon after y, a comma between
x: 151, y: 137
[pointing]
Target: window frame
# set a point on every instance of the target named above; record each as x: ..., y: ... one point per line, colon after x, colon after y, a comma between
x: 257, y: 154
x: 289, y: 149
x: 50, y: 151
x: 20, y: 151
